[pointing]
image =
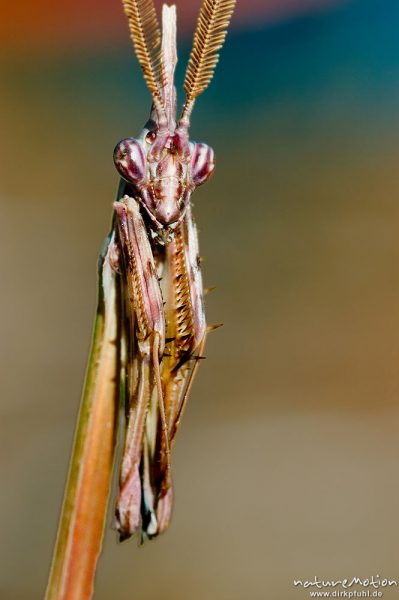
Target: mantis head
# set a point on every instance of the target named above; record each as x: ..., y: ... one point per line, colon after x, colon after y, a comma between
x: 162, y: 166
x: 163, y: 184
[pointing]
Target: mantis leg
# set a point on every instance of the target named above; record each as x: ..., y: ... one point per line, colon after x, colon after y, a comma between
x: 164, y: 328
x: 144, y: 331
x: 185, y: 336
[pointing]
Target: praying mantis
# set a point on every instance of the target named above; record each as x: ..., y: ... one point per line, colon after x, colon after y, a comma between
x: 150, y: 326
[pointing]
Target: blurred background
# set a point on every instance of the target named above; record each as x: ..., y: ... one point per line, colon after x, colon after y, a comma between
x: 286, y: 463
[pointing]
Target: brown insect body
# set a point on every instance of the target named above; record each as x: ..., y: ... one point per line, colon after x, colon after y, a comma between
x: 163, y: 326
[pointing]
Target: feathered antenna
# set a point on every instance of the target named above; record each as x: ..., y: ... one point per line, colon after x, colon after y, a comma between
x: 211, y: 31
x: 146, y: 37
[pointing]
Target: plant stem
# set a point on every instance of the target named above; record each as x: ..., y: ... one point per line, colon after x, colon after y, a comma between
x: 81, y: 525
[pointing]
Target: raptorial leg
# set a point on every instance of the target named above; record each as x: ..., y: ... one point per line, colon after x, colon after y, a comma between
x: 185, y: 338
x: 145, y: 334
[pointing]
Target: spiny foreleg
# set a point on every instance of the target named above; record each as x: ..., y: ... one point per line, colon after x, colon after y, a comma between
x: 145, y: 340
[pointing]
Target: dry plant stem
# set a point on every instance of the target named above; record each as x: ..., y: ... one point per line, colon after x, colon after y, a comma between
x: 84, y: 508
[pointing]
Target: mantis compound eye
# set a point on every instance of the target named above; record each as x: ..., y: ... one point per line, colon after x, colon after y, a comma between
x: 202, y: 163
x: 129, y: 160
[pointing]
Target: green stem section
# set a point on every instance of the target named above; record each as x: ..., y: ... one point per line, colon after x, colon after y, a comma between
x: 81, y: 526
